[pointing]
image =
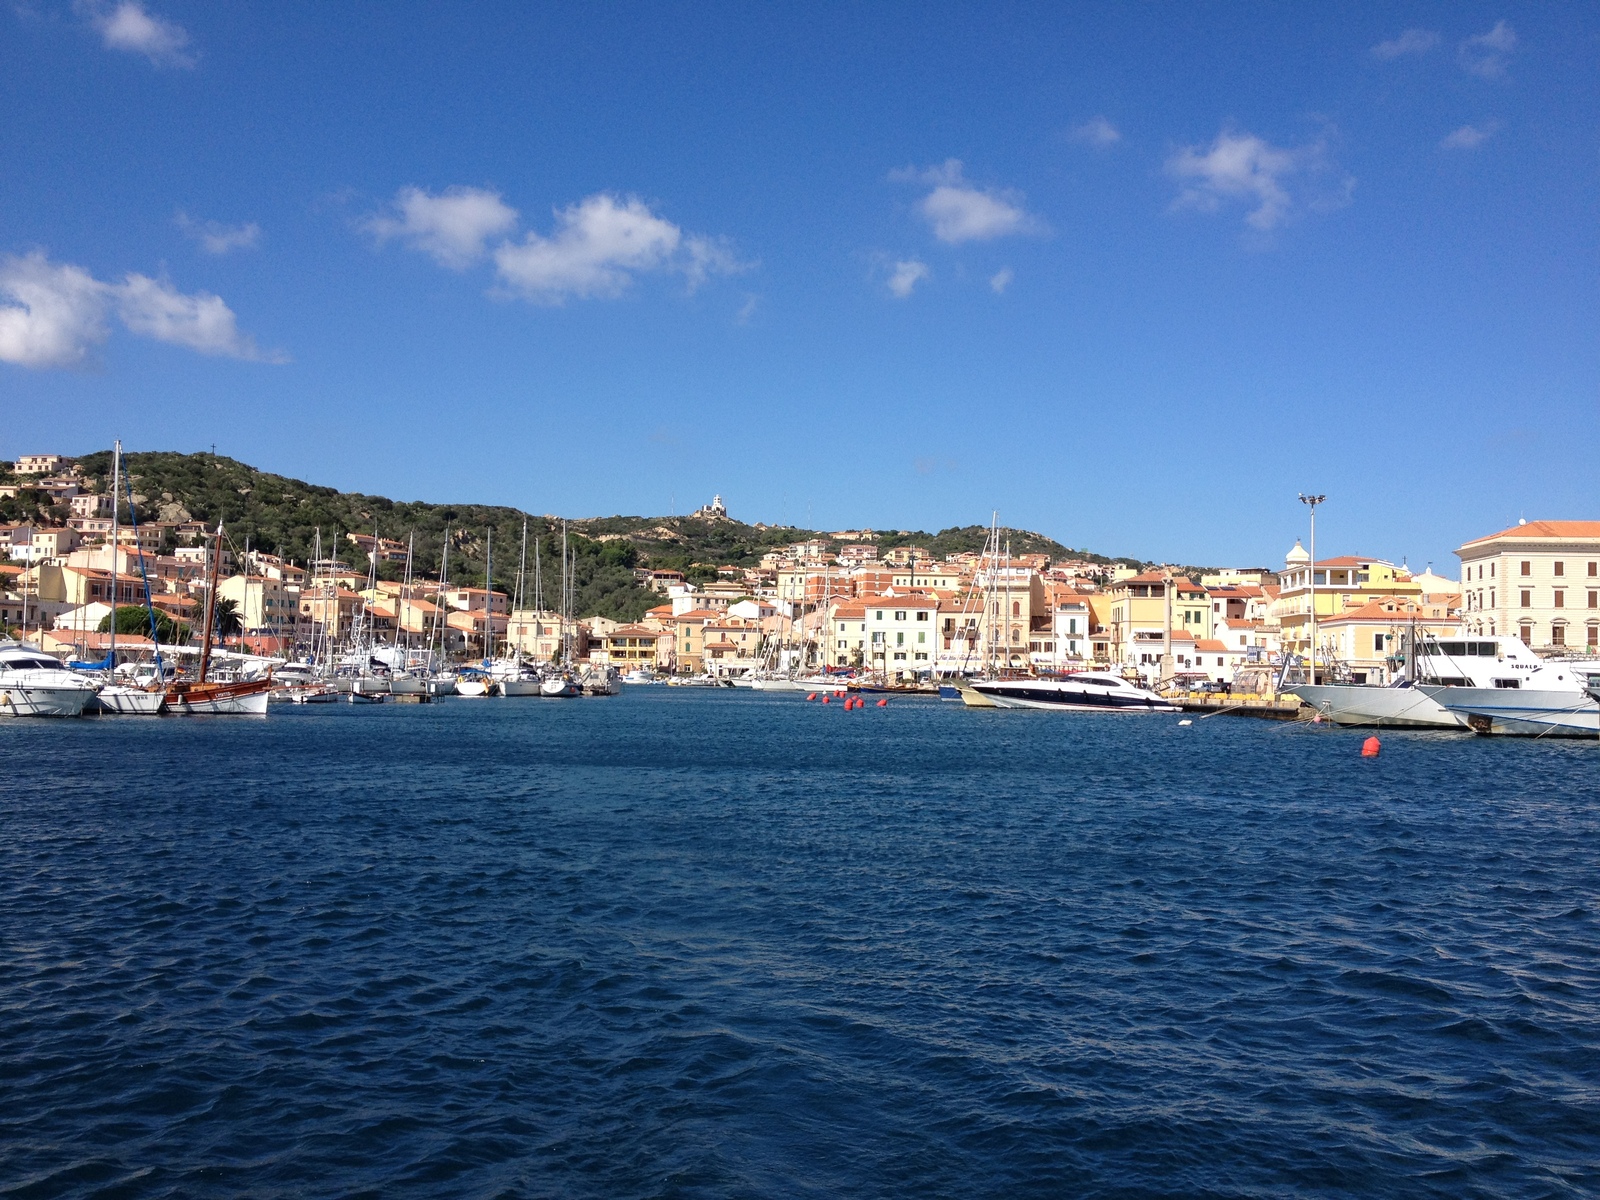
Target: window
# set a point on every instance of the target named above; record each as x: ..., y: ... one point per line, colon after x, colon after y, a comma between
x: 923, y: 616
x: 1594, y: 636
x: 1558, y: 635
x: 1561, y: 597
x: 1594, y: 569
x: 1594, y: 599
x: 878, y: 616
x: 1561, y: 569
x: 1016, y: 637
x: 900, y: 639
x: 900, y: 616
x: 1491, y: 594
x: 1016, y: 608
x: 1525, y: 632
x: 922, y: 637
x: 1377, y: 643
x: 1527, y: 567
x: 1527, y: 598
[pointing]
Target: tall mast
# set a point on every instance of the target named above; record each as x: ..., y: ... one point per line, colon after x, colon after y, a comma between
x: 488, y: 592
x: 521, y: 600
x: 211, y: 606
x: 116, y: 482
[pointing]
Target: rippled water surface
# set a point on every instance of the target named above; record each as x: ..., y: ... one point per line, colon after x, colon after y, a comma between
x: 680, y: 943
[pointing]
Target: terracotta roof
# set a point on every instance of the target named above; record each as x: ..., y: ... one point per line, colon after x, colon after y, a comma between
x: 1541, y: 531
x: 1210, y: 646
x: 1384, y: 612
x: 697, y: 614
x: 634, y: 631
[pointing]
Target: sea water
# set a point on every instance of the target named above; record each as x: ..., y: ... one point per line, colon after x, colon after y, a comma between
x: 727, y: 944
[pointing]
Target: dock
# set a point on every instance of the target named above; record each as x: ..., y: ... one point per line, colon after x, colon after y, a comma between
x: 1283, y: 708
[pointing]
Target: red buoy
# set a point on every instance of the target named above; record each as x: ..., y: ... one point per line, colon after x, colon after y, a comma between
x: 884, y: 703
x: 1370, y: 748
x: 811, y: 695
x: 824, y: 699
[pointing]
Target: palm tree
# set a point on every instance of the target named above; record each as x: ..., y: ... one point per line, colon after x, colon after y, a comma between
x: 228, y: 622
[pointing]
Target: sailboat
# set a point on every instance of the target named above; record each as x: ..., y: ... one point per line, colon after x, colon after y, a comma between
x: 243, y: 697
x: 562, y: 685
x: 113, y: 697
x: 514, y: 676
x: 476, y: 682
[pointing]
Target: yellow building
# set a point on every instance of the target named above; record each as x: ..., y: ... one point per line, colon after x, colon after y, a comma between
x: 1341, y: 584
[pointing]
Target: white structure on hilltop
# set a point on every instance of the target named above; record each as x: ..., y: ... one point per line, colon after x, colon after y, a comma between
x: 715, y: 511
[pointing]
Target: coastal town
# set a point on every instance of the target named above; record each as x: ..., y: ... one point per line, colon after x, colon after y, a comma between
x: 829, y: 604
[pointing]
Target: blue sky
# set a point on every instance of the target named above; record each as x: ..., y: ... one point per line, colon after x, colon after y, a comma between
x: 1132, y: 275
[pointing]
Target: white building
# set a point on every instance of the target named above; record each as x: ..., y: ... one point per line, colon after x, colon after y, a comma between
x: 1539, y: 580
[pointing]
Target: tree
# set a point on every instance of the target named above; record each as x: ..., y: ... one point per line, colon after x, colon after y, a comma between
x: 134, y: 620
x: 228, y: 622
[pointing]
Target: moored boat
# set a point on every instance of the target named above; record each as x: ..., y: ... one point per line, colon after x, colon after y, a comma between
x: 32, y: 684
x: 1087, y: 691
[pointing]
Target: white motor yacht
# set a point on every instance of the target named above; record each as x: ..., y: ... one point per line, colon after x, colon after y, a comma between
x: 1444, y: 667
x: 1086, y: 691
x: 1556, y: 701
x: 32, y: 684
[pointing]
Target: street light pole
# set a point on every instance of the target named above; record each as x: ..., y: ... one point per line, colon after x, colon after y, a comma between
x: 1313, y: 501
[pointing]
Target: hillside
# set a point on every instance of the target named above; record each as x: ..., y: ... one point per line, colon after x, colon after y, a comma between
x: 280, y: 515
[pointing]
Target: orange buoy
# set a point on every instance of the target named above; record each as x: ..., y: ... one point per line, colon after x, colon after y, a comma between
x: 811, y: 695
x: 884, y: 703
x: 825, y: 698
x: 1370, y: 748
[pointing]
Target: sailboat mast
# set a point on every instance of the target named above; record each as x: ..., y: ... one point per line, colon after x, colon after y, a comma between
x: 116, y: 482
x: 211, y: 606
x: 488, y: 592
x: 519, y: 604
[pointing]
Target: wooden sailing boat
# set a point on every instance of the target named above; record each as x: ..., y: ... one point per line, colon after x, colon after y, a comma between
x: 244, y: 697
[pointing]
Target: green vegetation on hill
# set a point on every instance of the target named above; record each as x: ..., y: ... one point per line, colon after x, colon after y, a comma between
x: 279, y: 515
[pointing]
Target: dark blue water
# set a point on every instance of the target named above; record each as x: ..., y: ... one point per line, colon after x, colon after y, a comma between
x: 680, y: 943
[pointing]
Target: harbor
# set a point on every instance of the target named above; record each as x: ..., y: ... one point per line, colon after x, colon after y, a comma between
x: 136, y: 616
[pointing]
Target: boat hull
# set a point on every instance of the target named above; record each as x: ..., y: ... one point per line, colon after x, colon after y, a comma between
x: 1040, y: 694
x: 559, y: 689
x: 117, y: 700
x: 520, y: 687
x: 219, y: 699
x: 1524, y: 712
x: 408, y: 685
x: 26, y: 700
x: 473, y: 689
x: 1391, y: 707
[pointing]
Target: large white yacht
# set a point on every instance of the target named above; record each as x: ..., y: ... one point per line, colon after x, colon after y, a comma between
x: 32, y: 684
x: 1086, y: 691
x: 1559, y: 701
x: 1445, y: 669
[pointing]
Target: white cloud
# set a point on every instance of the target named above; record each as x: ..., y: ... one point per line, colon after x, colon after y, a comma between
x: 1470, y: 137
x: 57, y: 314
x: 1486, y: 53
x: 154, y: 308
x: 1001, y: 280
x: 132, y: 28
x: 960, y: 212
x: 1412, y: 41
x: 598, y: 247
x: 217, y: 238
x: 906, y: 275
x: 1097, y: 132
x: 452, y: 227
x: 1242, y: 166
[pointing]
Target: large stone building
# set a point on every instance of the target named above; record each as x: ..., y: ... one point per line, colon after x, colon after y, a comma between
x: 1539, y: 580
